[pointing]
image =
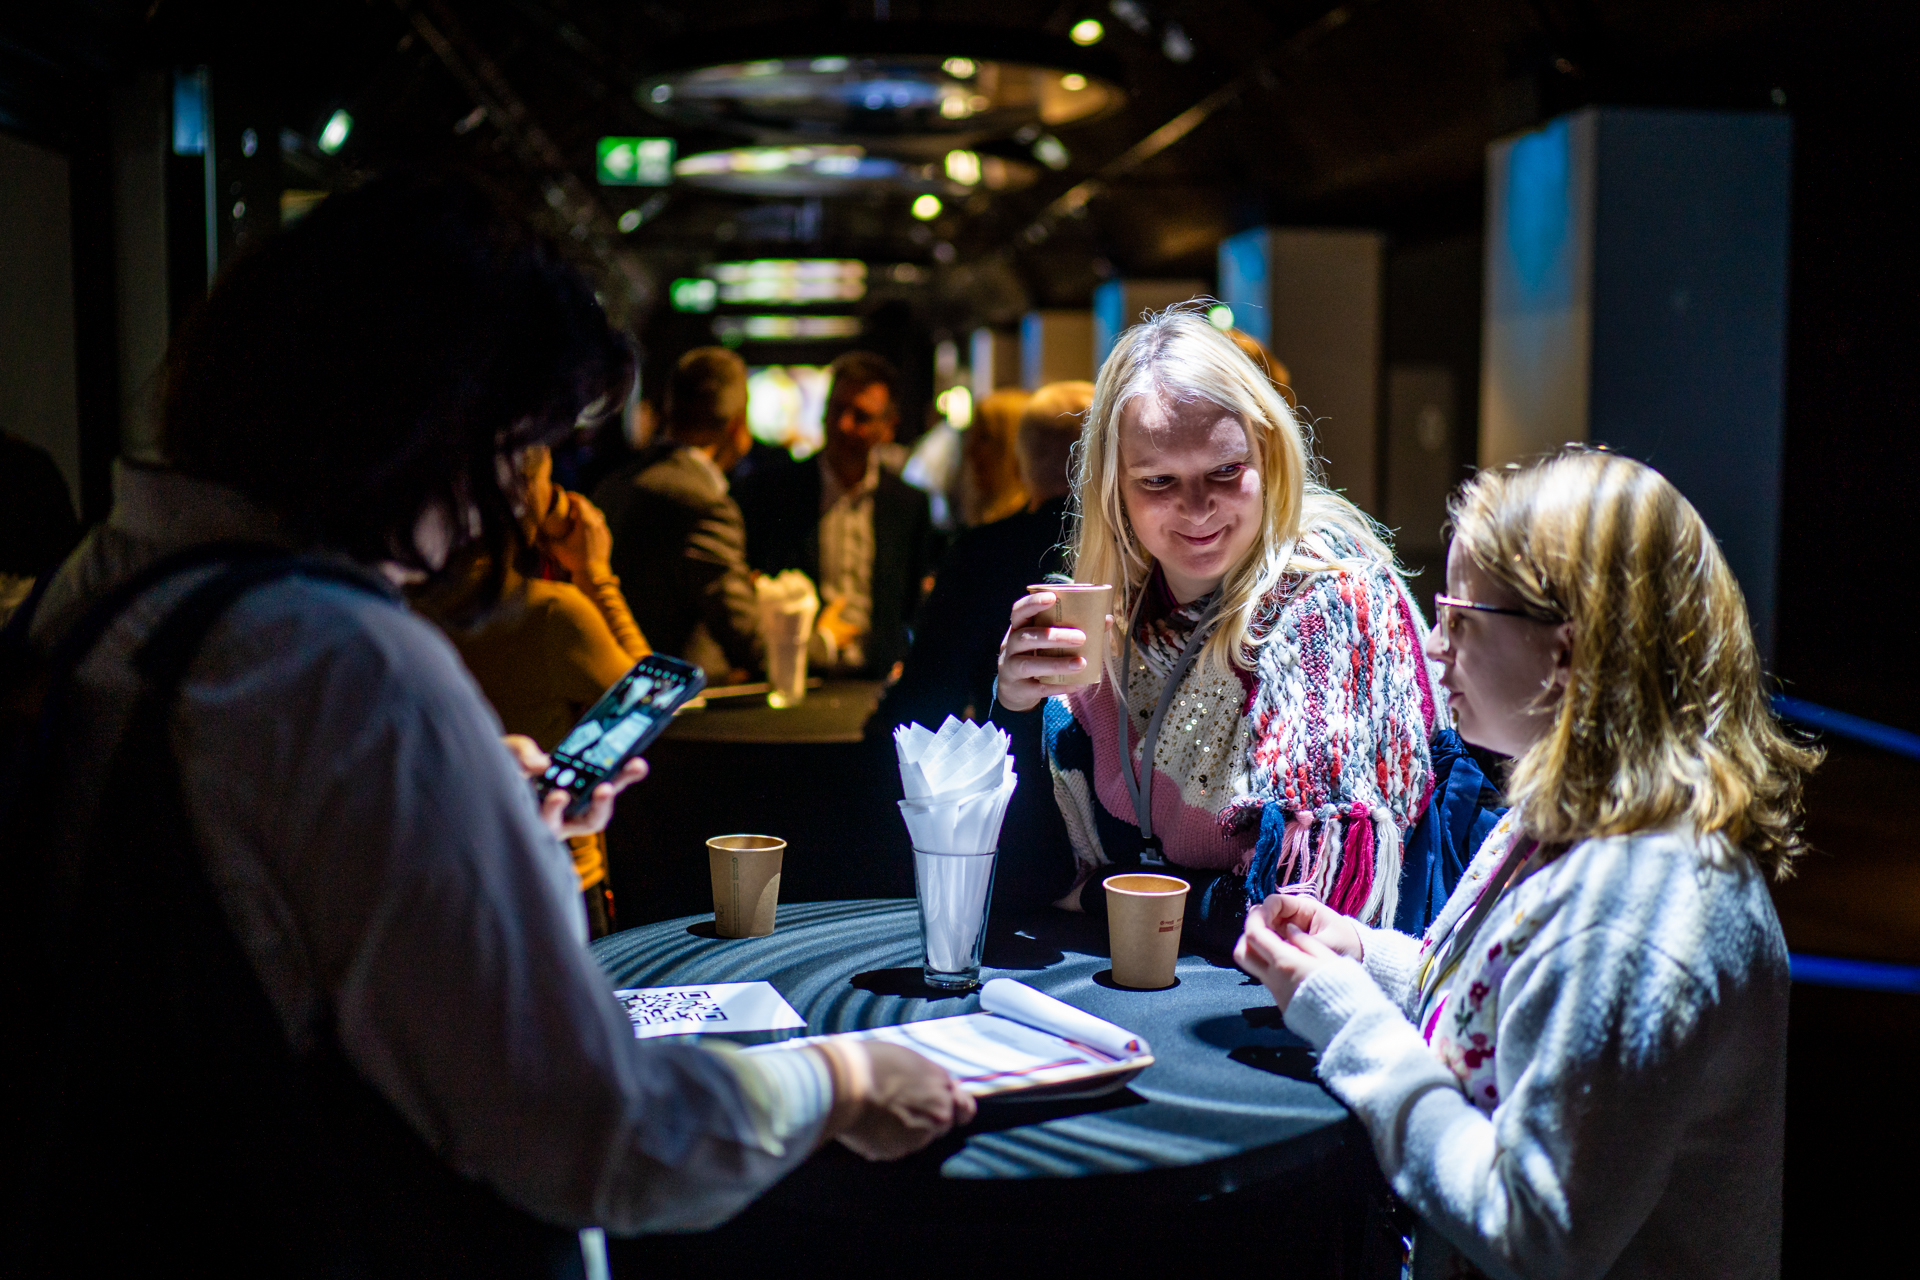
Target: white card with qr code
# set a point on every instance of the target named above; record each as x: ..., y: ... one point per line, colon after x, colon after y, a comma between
x: 711, y: 1006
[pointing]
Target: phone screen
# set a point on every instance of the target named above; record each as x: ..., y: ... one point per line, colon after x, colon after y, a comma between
x: 626, y: 716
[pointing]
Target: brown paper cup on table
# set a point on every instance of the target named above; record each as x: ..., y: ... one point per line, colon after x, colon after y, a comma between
x: 1144, y: 915
x: 746, y: 884
x: 1082, y: 605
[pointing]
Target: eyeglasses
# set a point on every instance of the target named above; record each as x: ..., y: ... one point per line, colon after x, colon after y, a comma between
x: 1442, y: 603
x: 1444, y: 606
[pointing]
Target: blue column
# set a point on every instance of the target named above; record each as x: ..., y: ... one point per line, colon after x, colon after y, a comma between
x: 1636, y: 297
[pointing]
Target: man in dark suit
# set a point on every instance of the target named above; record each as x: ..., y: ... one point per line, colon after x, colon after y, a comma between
x: 863, y: 534
x: 957, y: 648
x: 679, y: 544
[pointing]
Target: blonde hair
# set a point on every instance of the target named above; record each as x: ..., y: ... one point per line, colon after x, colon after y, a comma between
x: 1174, y: 356
x: 1268, y: 364
x: 993, y: 490
x: 1049, y: 429
x: 1664, y: 716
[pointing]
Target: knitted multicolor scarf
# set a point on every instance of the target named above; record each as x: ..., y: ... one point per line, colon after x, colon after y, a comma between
x: 1325, y: 741
x: 1341, y: 716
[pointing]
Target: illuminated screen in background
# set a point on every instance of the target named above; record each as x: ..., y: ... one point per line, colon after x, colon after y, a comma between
x: 787, y: 405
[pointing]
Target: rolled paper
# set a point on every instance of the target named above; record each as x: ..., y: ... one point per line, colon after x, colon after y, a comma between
x: 1020, y: 1002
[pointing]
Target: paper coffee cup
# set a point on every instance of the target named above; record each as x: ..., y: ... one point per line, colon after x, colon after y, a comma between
x: 1144, y: 915
x: 1082, y: 605
x: 746, y: 884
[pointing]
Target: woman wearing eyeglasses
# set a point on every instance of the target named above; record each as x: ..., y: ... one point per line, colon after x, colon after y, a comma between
x: 1580, y: 1069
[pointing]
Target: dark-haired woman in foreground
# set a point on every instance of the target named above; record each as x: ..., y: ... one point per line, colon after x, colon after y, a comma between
x: 1580, y: 1070
x: 326, y: 1007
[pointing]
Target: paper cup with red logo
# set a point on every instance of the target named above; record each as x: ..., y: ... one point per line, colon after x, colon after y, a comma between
x: 1144, y: 915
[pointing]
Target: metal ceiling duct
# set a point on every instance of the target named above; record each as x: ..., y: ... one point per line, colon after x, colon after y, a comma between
x: 907, y: 88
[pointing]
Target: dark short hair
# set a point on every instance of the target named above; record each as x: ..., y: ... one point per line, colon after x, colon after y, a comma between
x: 374, y: 360
x: 855, y: 371
x: 706, y: 390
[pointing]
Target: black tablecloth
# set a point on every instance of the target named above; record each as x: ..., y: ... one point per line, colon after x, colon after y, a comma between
x: 1229, y: 1098
x: 1225, y: 1149
x: 834, y: 712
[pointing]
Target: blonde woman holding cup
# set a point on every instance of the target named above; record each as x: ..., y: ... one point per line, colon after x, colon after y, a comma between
x: 1580, y: 1069
x: 1264, y: 710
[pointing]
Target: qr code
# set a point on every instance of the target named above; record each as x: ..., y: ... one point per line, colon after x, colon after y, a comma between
x: 651, y: 1008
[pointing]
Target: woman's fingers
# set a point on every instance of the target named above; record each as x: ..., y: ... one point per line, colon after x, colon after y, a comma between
x: 1289, y: 908
x: 526, y: 753
x: 1032, y: 605
x: 631, y: 772
x: 1295, y: 936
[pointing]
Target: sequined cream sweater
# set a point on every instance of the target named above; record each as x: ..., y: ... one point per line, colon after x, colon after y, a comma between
x: 1315, y: 753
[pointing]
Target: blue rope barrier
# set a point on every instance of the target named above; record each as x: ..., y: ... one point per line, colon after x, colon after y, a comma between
x: 1841, y: 724
x: 1860, y: 975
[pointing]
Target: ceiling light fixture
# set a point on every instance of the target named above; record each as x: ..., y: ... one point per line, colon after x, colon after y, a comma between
x: 1087, y: 31
x: 842, y: 170
x: 926, y: 207
x: 790, y: 281
x: 733, y: 330
x: 693, y: 294
x: 893, y: 98
x: 334, y: 135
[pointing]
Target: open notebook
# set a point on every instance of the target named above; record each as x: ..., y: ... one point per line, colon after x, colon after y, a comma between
x: 1023, y: 1040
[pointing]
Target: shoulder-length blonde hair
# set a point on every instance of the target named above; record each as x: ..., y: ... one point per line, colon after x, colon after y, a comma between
x: 1664, y: 717
x: 1174, y: 356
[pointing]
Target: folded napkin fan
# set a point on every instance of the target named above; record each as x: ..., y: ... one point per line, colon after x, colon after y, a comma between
x: 958, y: 783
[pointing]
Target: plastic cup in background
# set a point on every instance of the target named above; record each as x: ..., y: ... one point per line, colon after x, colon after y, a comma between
x: 787, y: 635
x: 1144, y: 915
x: 1084, y: 606
x: 746, y: 883
x: 954, y: 890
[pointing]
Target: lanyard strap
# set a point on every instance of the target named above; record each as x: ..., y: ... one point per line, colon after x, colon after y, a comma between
x: 1140, y: 785
x: 1461, y: 936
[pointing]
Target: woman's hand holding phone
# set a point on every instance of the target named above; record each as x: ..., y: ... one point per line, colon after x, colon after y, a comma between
x: 553, y: 806
x: 1019, y: 687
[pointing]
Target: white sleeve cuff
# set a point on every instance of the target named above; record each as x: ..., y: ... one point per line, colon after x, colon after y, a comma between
x: 1336, y: 993
x: 789, y: 1090
x: 1393, y: 962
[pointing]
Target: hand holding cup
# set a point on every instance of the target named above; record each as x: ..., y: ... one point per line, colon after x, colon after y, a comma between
x: 1036, y: 655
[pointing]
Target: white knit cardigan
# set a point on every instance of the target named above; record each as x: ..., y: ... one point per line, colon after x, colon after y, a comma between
x: 1632, y: 1121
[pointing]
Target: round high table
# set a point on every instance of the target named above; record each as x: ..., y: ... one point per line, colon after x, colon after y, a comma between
x: 1225, y: 1144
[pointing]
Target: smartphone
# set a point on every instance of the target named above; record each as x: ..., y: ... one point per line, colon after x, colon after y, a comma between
x: 620, y: 726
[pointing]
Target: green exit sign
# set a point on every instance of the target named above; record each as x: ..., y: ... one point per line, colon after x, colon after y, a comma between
x: 636, y: 162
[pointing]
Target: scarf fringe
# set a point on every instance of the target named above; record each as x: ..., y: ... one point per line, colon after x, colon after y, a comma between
x: 1348, y: 856
x: 1384, y: 901
x: 1296, y: 848
x: 1326, y: 861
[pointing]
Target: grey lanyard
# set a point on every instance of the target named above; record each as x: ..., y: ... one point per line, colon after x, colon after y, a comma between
x: 1140, y: 785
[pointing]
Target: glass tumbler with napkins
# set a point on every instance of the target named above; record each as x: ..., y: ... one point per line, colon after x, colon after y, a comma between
x: 958, y: 783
